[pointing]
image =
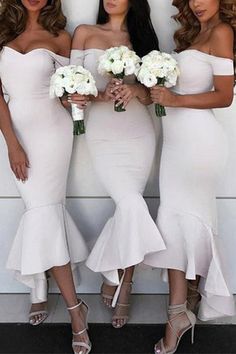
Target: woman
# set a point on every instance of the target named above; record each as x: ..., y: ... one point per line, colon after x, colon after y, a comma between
x: 33, y: 44
x: 193, y: 156
x: 122, y: 147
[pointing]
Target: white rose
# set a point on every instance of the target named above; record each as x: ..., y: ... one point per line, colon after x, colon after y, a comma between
x: 117, y: 67
x: 59, y: 91
x: 149, y: 81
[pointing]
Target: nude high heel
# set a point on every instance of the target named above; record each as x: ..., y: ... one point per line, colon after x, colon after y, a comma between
x: 43, y: 314
x: 175, y: 313
x: 107, y: 298
x: 87, y: 346
x: 123, y: 308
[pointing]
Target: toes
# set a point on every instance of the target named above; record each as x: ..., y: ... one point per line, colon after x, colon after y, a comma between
x: 38, y: 318
x: 32, y: 320
x: 107, y: 302
x: 116, y: 323
x: 80, y: 350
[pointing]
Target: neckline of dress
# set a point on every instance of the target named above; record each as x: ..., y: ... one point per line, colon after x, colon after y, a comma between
x: 33, y: 50
x: 203, y: 53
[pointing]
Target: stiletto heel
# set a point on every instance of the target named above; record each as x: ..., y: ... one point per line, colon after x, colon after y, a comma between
x: 174, y: 313
x: 87, y: 346
x: 192, y: 334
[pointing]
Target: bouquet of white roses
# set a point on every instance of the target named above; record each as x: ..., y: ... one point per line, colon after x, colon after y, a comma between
x: 119, y: 62
x: 73, y: 79
x: 158, y: 68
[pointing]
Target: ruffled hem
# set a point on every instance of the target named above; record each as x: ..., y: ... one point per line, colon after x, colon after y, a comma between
x: 126, y: 239
x: 46, y: 237
x: 192, y: 248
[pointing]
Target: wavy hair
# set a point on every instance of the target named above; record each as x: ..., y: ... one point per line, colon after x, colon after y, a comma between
x: 142, y: 34
x: 13, y: 19
x: 190, y: 26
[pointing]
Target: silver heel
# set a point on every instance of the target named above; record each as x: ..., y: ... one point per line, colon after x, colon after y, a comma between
x: 87, y: 346
x: 174, y: 313
x: 192, y: 334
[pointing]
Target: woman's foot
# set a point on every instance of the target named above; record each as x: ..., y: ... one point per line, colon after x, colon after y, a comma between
x: 107, y: 294
x: 121, y: 313
x: 180, y: 321
x: 38, y: 313
x: 79, y: 313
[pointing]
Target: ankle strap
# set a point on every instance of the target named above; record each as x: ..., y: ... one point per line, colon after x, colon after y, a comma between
x: 75, y: 306
x: 177, y: 309
x: 80, y: 332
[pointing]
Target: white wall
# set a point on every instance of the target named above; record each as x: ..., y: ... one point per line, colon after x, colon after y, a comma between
x: 87, y: 200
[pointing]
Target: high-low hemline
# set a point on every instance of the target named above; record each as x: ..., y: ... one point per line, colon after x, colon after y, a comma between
x: 47, y: 237
x: 126, y: 239
x: 192, y: 248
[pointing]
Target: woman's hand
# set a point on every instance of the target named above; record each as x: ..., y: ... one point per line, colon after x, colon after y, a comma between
x: 124, y: 93
x: 163, y: 96
x: 19, y: 162
x: 80, y: 100
x: 108, y: 95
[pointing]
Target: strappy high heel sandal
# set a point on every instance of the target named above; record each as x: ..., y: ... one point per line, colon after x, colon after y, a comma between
x: 38, y: 317
x: 121, y: 308
x: 174, y: 314
x: 107, y: 299
x: 87, y: 346
x: 193, y: 298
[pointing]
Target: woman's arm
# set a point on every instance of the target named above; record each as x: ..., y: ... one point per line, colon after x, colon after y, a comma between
x: 17, y: 156
x: 64, y: 42
x: 80, y: 36
x: 221, y: 45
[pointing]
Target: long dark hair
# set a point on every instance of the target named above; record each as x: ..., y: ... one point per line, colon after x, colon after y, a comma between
x: 142, y: 34
x: 13, y: 19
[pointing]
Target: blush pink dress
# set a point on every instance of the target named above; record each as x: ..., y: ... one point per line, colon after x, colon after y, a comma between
x: 193, y: 156
x: 47, y: 236
x: 122, y: 147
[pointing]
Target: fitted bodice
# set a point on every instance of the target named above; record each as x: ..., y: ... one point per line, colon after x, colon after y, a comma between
x: 28, y: 75
x: 197, y: 70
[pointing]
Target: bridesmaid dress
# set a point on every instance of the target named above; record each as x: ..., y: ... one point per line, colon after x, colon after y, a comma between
x: 193, y: 155
x: 47, y: 236
x: 122, y: 147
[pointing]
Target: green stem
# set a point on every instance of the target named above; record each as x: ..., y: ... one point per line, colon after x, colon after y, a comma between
x: 119, y: 108
x: 160, y: 110
x: 79, y: 127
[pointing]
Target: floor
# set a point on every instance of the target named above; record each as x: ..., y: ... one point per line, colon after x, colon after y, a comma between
x: 146, y: 326
x: 145, y: 309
